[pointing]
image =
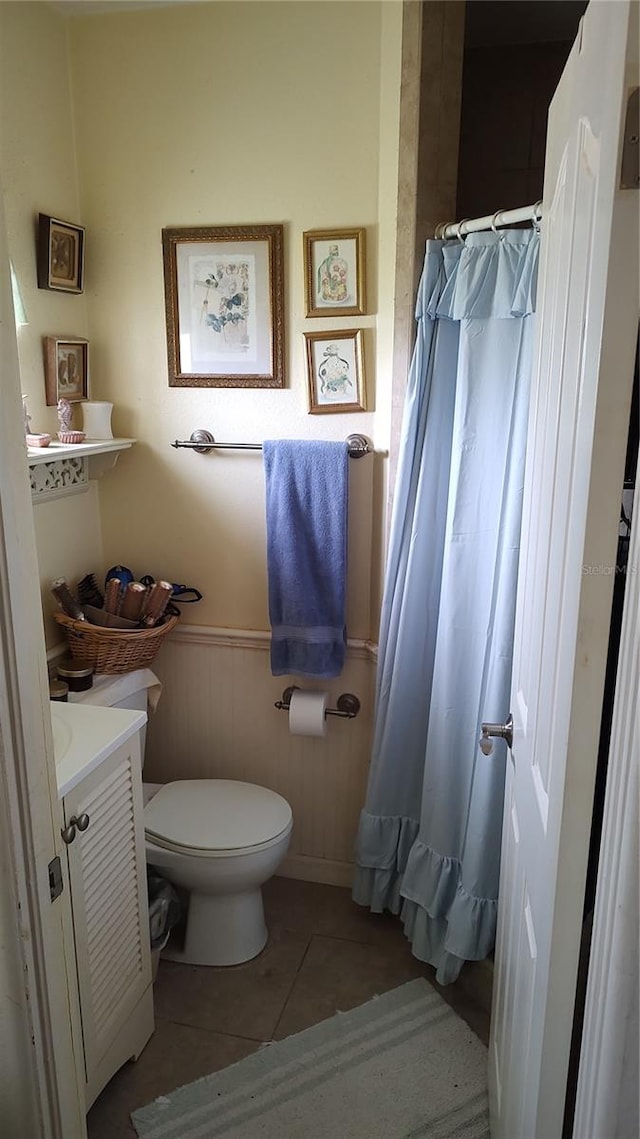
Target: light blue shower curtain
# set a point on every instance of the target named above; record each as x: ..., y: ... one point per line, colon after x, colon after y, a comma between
x: 429, y: 837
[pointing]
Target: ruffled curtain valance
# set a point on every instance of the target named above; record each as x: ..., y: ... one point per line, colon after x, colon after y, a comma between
x: 490, y: 276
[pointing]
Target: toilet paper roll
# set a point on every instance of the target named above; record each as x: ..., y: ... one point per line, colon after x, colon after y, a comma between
x: 307, y: 714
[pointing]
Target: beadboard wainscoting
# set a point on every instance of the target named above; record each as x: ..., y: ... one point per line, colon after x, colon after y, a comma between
x: 216, y: 719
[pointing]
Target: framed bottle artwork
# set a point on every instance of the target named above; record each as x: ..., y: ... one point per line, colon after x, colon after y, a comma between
x: 335, y: 372
x: 334, y: 272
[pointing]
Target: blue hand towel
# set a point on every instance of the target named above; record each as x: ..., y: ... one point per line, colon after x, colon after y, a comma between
x: 306, y: 485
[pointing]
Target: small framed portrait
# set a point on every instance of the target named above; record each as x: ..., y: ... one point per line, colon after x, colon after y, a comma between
x: 60, y: 255
x: 334, y: 272
x: 335, y: 371
x: 66, y: 369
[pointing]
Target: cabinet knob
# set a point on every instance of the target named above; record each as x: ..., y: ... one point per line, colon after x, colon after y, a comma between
x: 81, y: 822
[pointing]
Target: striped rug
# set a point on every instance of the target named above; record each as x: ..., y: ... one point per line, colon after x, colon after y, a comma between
x: 402, y: 1066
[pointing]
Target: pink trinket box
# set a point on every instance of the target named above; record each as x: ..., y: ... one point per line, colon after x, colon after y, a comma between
x: 71, y: 436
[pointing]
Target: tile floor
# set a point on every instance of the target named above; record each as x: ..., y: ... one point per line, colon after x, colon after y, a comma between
x: 324, y: 954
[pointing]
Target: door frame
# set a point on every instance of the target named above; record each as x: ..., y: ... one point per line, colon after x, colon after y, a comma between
x: 606, y: 1051
x: 49, y: 1009
x: 612, y: 979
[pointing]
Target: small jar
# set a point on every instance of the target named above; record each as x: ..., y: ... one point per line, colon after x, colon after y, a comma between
x: 77, y: 675
x: 96, y: 420
x: 58, y: 690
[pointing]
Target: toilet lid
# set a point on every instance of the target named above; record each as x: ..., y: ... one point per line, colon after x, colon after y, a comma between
x: 216, y: 814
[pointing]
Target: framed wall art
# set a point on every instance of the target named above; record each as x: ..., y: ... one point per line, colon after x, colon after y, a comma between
x: 60, y: 255
x: 66, y: 369
x: 334, y: 272
x: 335, y: 371
x: 224, y: 301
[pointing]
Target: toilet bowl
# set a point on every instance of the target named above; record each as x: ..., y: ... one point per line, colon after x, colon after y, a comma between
x: 217, y: 839
x: 220, y: 840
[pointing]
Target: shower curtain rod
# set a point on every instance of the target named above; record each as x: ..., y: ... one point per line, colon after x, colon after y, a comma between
x: 490, y: 221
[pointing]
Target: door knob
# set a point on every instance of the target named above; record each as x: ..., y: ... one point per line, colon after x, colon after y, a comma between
x: 496, y: 731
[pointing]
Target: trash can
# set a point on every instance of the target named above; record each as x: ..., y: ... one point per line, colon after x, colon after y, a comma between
x: 164, y: 913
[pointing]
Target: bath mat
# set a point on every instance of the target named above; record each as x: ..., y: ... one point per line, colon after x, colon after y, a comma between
x: 402, y: 1066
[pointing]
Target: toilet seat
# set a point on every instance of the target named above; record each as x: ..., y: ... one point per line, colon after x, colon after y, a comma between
x: 216, y: 818
x: 154, y: 841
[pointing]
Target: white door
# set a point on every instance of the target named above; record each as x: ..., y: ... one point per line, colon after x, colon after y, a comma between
x: 582, y: 377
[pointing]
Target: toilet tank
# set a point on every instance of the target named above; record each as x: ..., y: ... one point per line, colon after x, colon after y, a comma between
x: 130, y: 690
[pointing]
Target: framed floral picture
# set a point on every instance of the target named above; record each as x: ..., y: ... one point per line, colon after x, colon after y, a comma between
x: 334, y: 272
x: 66, y: 369
x: 335, y: 371
x: 60, y: 255
x: 224, y: 302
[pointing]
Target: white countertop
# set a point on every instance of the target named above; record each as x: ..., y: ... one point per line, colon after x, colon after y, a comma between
x: 85, y: 735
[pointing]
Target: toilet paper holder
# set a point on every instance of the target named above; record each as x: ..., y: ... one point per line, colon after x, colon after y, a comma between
x: 348, y: 705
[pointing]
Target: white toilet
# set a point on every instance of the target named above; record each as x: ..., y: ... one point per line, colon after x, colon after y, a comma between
x: 217, y: 838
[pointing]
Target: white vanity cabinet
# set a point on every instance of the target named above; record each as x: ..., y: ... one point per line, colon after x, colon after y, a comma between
x: 104, y: 833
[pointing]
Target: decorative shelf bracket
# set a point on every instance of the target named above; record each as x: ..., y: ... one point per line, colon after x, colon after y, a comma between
x: 61, y: 477
x: 63, y: 469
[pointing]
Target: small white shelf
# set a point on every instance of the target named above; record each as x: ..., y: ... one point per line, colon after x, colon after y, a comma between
x: 66, y: 468
x: 56, y: 451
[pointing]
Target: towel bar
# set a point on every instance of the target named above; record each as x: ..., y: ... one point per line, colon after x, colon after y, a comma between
x: 348, y: 704
x: 203, y: 442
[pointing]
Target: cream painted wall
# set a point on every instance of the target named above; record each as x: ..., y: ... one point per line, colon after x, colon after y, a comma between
x: 37, y: 153
x: 216, y: 720
x: 39, y: 174
x: 223, y: 113
x: 166, y: 134
x: 69, y: 545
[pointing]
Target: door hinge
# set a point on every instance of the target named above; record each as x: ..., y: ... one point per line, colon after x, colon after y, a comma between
x: 56, y: 881
x: 630, y: 172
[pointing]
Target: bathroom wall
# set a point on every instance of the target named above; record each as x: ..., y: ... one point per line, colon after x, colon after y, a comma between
x: 217, y: 717
x: 39, y: 173
x: 221, y: 114
x: 217, y: 114
x: 69, y: 543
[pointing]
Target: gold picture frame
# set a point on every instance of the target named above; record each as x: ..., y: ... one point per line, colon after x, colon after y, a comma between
x: 335, y: 371
x: 224, y: 303
x: 60, y: 255
x: 334, y: 272
x: 66, y: 369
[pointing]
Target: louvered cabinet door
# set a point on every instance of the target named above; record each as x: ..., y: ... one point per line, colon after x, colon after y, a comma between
x: 110, y: 913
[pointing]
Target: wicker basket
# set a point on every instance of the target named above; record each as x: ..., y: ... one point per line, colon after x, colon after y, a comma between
x: 113, y: 650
